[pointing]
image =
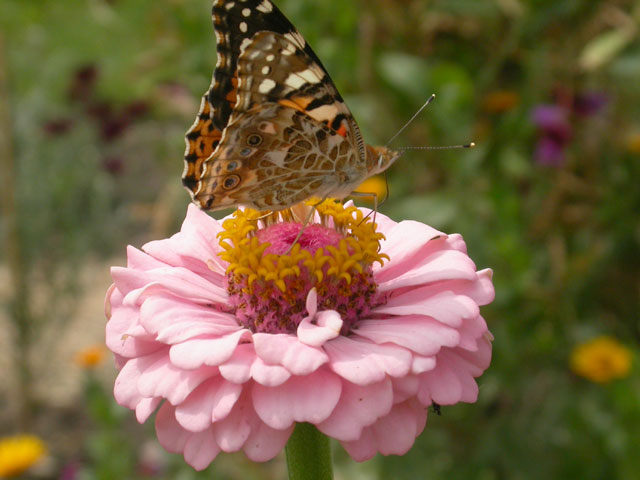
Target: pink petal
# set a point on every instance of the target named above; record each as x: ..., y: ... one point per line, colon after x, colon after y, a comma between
x: 192, y: 247
x: 476, y: 362
x: 232, y: 432
x: 311, y: 398
x: 393, y: 434
x: 170, y: 434
x: 385, y: 224
x: 268, y: 375
x: 176, y: 281
x: 201, y: 449
x: 118, y: 334
x: 209, y: 402
x: 312, y: 303
x: 107, y: 300
x: 264, y: 442
x: 452, y: 381
x: 419, y: 334
x: 286, y: 350
x: 446, y: 307
x: 422, y: 364
x: 138, y: 260
x: 471, y: 331
x: 482, y: 290
x: 172, y: 252
x: 199, y: 224
x: 192, y: 354
x: 455, y: 241
x: 397, y: 431
x: 405, y: 388
x: 161, y: 379
x: 146, y: 407
x: 328, y: 326
x: 362, y: 362
x: 403, y: 241
x: 437, y: 267
x: 359, y: 407
x: 175, y: 320
x: 125, y: 389
x: 237, y: 369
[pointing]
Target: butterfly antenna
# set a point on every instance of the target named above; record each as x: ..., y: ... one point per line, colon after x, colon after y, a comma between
x: 440, y: 147
x: 429, y: 100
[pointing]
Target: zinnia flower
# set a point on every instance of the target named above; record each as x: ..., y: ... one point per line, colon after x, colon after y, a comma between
x: 601, y: 359
x: 18, y: 453
x: 233, y: 338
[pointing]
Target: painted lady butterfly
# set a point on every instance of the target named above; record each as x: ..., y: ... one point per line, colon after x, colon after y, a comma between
x: 272, y: 129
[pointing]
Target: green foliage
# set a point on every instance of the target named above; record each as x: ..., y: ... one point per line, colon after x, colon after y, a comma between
x: 563, y: 240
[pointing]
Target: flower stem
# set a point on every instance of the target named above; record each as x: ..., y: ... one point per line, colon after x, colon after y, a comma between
x: 308, y: 454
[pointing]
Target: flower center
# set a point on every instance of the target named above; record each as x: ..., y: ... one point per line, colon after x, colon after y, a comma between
x: 268, y: 279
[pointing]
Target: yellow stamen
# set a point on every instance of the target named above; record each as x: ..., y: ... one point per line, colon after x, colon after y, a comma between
x: 246, y: 255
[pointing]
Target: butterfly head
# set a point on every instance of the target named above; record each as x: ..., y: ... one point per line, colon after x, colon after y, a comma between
x: 381, y: 158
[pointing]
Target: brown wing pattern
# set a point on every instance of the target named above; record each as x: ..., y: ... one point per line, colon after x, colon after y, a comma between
x: 235, y: 22
x: 264, y: 63
x: 272, y: 157
x: 273, y: 68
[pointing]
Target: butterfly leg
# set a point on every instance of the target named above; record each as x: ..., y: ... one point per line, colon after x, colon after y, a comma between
x: 375, y: 203
x: 269, y: 213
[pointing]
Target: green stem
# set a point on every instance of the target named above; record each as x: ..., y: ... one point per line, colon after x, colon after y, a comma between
x: 308, y: 454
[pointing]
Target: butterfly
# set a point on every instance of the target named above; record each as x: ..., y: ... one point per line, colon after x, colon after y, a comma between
x: 272, y: 130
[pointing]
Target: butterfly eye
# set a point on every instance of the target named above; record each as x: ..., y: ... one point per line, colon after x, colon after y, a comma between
x: 254, y: 139
x: 245, y: 152
x: 231, y: 181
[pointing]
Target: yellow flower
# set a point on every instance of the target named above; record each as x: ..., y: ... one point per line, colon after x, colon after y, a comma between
x: 500, y: 101
x: 18, y: 453
x: 601, y: 359
x: 633, y: 143
x: 375, y: 185
x: 90, y: 357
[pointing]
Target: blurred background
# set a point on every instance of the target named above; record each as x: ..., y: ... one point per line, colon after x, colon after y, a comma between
x: 95, y: 97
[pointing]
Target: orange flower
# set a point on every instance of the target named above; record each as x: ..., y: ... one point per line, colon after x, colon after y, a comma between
x: 500, y: 101
x: 90, y: 357
x: 18, y: 453
x: 601, y: 359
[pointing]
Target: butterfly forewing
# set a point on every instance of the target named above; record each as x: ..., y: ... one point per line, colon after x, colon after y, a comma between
x: 273, y: 68
x: 272, y: 129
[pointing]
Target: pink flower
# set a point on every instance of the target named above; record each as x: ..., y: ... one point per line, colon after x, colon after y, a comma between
x: 233, y: 344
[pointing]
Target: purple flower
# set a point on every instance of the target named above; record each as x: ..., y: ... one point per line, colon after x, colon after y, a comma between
x: 549, y: 152
x: 552, y: 120
x: 589, y: 103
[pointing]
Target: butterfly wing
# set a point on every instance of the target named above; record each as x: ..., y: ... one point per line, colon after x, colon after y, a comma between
x: 273, y: 157
x: 262, y: 59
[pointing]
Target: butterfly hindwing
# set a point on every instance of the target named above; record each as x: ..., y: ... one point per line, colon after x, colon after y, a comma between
x: 272, y: 156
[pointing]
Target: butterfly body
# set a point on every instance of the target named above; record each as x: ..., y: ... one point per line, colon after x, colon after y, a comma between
x: 272, y: 130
